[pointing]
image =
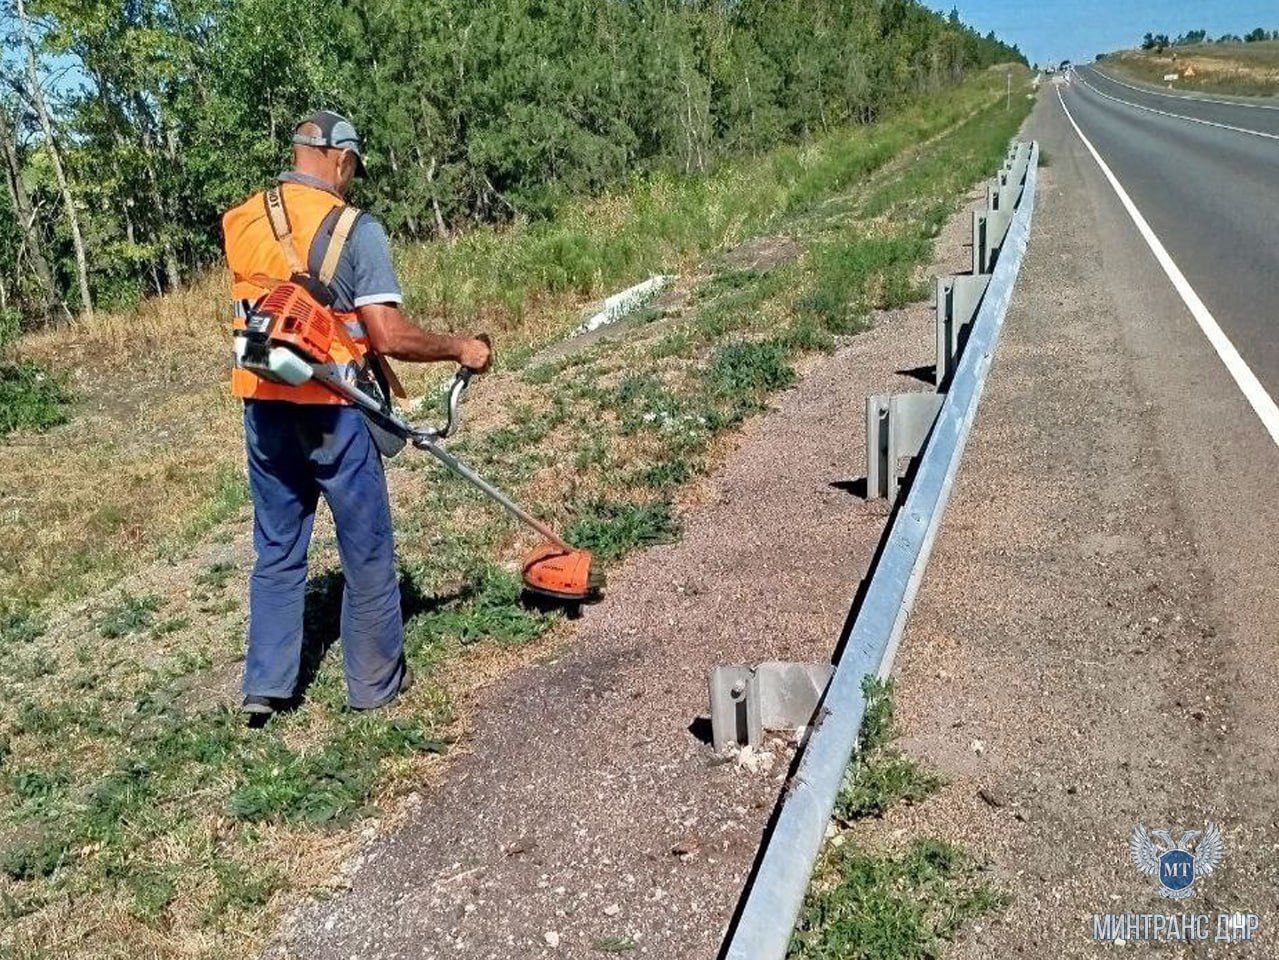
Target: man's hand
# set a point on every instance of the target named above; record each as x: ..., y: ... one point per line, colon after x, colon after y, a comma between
x: 476, y: 353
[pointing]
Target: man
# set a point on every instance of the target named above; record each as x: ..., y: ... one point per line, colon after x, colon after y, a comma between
x: 303, y: 441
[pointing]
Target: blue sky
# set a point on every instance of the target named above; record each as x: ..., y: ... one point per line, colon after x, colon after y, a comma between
x: 1052, y: 30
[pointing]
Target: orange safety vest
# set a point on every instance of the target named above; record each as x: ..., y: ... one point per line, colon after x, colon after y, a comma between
x: 259, y: 261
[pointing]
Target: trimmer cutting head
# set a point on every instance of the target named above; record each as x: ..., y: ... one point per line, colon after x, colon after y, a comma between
x: 552, y: 571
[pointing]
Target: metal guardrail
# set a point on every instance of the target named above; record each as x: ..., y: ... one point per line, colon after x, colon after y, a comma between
x: 767, y: 915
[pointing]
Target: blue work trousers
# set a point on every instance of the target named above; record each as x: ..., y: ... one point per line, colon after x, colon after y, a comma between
x: 298, y: 452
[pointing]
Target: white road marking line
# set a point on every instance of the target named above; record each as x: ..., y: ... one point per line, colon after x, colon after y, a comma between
x: 1179, y: 116
x: 1262, y: 403
x: 1183, y: 96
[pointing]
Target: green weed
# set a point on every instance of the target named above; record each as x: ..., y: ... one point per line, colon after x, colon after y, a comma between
x: 20, y: 626
x: 239, y: 888
x: 327, y: 785
x: 489, y: 609
x: 666, y: 474
x: 882, y: 774
x: 132, y: 615
x: 890, y: 906
x: 153, y: 890
x: 751, y: 368
x: 34, y: 856
x: 37, y: 791
x: 611, y: 528
x: 614, y: 944
x: 867, y: 271
x: 215, y: 575
x: 171, y: 625
x: 543, y: 373
x: 594, y: 452
x: 806, y: 332
x: 676, y: 343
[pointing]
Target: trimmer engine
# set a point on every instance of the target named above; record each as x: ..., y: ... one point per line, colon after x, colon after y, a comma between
x: 285, y: 332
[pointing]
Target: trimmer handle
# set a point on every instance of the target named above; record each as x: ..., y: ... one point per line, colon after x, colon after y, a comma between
x: 424, y: 436
x: 457, y: 390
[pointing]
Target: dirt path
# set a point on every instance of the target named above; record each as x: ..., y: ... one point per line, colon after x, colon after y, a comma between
x: 588, y: 815
x: 1093, y: 644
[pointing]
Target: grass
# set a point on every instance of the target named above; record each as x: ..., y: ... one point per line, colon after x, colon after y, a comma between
x: 612, y: 528
x: 1241, y: 69
x: 137, y: 815
x: 900, y: 902
x: 31, y: 398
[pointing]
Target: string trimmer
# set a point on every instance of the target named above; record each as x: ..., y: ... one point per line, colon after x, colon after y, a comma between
x: 287, y: 339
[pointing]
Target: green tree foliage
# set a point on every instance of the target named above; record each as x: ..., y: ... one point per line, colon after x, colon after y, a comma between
x: 170, y: 111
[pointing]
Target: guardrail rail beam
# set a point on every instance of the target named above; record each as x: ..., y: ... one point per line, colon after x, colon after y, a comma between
x: 766, y: 919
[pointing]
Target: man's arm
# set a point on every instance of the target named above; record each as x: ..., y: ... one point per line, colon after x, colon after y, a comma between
x: 375, y: 294
x: 393, y: 335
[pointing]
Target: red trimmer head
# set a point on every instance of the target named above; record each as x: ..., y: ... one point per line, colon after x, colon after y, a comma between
x: 552, y: 571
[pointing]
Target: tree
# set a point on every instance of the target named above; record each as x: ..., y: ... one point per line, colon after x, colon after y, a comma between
x: 35, y: 94
x: 471, y: 110
x: 30, y: 243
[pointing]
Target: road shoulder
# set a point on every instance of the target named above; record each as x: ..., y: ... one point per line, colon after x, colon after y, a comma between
x: 1075, y: 663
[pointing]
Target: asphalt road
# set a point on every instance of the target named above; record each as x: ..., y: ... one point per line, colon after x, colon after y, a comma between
x: 1210, y: 194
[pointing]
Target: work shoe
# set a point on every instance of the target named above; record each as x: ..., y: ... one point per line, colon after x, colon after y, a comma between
x: 258, y: 706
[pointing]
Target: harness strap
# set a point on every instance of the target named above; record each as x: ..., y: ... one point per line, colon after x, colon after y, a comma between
x: 283, y: 230
x: 341, y: 231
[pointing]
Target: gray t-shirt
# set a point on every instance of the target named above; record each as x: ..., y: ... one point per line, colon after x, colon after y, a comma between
x: 365, y: 273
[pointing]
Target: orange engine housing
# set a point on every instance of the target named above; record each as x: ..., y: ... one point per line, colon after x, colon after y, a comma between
x: 299, y: 321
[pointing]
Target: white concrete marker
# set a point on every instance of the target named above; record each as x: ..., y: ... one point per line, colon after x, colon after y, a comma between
x: 1179, y: 116
x: 620, y: 304
x: 1249, y: 385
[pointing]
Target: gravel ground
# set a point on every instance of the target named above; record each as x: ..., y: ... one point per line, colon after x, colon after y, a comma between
x: 1093, y: 642
x: 589, y: 811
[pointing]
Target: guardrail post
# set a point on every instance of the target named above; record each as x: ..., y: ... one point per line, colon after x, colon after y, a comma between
x: 773, y: 695
x: 735, y: 714
x: 979, y: 241
x: 947, y: 339
x: 896, y: 426
x: 957, y: 300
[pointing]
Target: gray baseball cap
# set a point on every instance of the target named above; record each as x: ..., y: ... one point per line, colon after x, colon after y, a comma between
x: 335, y: 131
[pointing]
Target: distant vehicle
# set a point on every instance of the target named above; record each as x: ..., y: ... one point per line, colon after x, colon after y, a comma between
x: 1065, y: 65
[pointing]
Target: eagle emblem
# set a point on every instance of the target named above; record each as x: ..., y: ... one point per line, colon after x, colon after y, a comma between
x: 1176, y: 863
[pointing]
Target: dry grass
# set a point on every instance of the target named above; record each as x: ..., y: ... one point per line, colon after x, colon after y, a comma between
x: 188, y: 834
x: 1245, y: 69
